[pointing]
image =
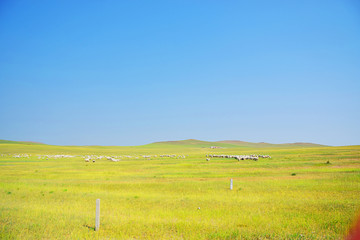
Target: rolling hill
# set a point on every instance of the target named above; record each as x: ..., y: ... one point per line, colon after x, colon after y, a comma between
x: 19, y: 142
x: 233, y: 143
x: 263, y: 144
x: 201, y: 144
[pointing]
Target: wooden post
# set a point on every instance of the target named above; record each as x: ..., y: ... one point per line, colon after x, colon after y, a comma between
x: 231, y: 184
x: 97, y: 218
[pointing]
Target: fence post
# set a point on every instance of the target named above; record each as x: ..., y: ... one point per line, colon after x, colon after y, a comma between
x: 231, y: 184
x: 97, y: 218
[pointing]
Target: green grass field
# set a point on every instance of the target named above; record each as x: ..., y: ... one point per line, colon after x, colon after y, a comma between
x: 300, y: 193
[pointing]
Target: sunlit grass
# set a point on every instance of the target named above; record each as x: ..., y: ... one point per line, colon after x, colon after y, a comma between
x: 179, y: 198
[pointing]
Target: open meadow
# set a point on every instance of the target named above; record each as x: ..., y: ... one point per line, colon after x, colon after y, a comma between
x: 301, y: 192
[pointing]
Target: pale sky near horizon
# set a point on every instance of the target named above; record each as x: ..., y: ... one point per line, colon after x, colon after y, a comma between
x: 135, y: 72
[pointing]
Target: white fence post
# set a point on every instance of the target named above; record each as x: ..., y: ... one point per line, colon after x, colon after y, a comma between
x: 231, y: 184
x: 97, y: 218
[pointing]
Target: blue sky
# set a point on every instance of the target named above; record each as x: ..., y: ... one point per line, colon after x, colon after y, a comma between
x: 135, y: 72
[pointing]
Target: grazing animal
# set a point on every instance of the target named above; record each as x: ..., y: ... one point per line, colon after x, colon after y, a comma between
x: 240, y: 157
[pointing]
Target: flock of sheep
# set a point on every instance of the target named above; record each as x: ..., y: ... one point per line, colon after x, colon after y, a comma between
x: 93, y: 158
x: 39, y: 156
x: 238, y: 157
x: 118, y: 158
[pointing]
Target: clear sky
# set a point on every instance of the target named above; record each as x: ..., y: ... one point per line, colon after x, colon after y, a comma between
x: 135, y: 72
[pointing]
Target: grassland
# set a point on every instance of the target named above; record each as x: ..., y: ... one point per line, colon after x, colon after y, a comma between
x: 300, y: 193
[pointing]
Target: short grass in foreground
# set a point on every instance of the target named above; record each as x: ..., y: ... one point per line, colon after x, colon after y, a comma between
x: 301, y: 193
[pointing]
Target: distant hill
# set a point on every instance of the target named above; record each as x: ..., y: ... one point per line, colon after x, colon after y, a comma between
x: 191, y: 143
x: 19, y: 142
x: 232, y: 143
x: 263, y: 144
x: 185, y: 142
x: 194, y: 143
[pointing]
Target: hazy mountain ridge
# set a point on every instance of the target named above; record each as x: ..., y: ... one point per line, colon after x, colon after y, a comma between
x: 264, y: 144
x: 20, y: 142
x: 237, y: 143
x: 200, y: 143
